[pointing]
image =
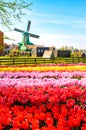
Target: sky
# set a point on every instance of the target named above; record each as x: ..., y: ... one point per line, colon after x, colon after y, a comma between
x: 58, y: 23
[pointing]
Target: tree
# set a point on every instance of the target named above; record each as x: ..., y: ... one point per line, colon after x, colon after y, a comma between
x: 12, y: 10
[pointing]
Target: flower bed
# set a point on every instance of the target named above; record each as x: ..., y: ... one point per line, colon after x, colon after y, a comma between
x: 52, y: 99
x: 44, y: 68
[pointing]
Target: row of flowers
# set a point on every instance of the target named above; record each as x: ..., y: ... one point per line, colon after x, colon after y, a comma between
x: 41, y: 94
x: 55, y: 67
x: 27, y: 82
x: 49, y: 74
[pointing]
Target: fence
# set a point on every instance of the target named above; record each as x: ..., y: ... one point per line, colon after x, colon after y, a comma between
x: 27, y: 61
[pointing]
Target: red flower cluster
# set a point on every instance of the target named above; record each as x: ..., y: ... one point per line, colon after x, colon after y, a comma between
x: 42, y: 108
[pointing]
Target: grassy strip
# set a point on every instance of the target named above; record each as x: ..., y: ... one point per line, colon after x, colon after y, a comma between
x: 30, y: 60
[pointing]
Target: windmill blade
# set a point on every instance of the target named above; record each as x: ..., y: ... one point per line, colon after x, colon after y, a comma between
x: 33, y: 35
x: 18, y: 30
x: 28, y: 26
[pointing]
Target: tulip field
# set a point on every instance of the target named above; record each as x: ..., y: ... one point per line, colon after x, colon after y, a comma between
x: 43, y: 97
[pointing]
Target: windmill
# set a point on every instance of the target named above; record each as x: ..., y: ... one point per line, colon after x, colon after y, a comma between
x: 25, y: 37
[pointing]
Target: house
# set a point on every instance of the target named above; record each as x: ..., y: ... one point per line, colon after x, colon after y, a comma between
x: 63, y: 53
x: 38, y: 51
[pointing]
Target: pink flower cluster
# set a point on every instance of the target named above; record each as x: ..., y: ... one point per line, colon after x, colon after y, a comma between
x: 50, y: 78
x: 42, y: 101
x: 48, y: 74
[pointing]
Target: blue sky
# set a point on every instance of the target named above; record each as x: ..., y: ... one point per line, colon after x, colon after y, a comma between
x: 58, y: 22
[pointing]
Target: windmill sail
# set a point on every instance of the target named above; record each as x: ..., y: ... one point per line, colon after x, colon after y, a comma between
x: 18, y: 30
x: 33, y: 35
x: 28, y: 26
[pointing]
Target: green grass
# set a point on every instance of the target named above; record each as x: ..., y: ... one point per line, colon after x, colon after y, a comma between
x: 32, y: 60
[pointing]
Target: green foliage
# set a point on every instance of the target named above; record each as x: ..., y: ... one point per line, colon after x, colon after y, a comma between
x: 12, y: 10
